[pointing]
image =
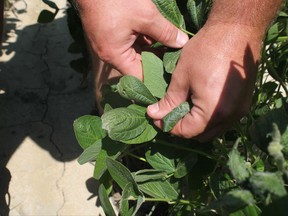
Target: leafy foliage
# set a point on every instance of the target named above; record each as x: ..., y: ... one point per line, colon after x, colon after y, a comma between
x: 243, y: 172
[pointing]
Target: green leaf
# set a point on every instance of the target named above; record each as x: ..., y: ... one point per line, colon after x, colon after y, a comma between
x: 132, y: 88
x: 105, y: 203
x: 154, y: 74
x: 169, y: 9
x: 171, y: 119
x: 110, y: 149
x: 170, y: 60
x: 148, y: 175
x: 126, y: 196
x: 237, y: 165
x: 160, y: 162
x: 121, y: 175
x: 264, y: 126
x: 124, y: 124
x: 185, y: 164
x: 232, y: 201
x: 88, y: 129
x: 159, y: 189
x: 147, y: 135
x: 196, y: 10
x: 90, y: 153
x: 271, y: 183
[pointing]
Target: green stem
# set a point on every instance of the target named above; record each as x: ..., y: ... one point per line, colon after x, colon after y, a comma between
x: 162, y: 142
x: 135, y: 156
x: 187, y: 32
x: 185, y: 202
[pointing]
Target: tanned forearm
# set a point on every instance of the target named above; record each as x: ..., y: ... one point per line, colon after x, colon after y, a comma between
x: 257, y: 14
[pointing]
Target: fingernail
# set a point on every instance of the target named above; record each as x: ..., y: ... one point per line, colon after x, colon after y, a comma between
x: 154, y: 108
x: 182, y: 38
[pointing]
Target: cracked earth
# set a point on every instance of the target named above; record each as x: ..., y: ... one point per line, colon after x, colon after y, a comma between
x: 40, y: 97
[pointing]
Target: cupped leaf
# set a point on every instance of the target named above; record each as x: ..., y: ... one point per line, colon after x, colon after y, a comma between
x: 169, y: 9
x: 149, y: 175
x: 171, y: 119
x: 121, y: 175
x: 238, y: 166
x: 105, y: 203
x: 88, y: 129
x: 268, y: 183
x: 154, y: 74
x: 132, y: 88
x: 90, y: 153
x: 124, y: 124
x: 170, y: 60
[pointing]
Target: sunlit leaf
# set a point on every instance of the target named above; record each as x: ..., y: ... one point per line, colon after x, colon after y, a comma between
x: 90, y: 153
x: 154, y: 74
x: 170, y: 60
x: 105, y: 203
x: 132, y: 88
x: 123, y: 123
x: 171, y: 119
x: 88, y: 129
x: 170, y: 11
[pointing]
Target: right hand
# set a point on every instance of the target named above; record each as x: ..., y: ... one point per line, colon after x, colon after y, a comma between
x: 113, y: 28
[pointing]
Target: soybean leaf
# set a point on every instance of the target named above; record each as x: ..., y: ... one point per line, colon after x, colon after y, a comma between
x: 169, y: 9
x: 271, y: 183
x: 123, y: 123
x: 147, y: 135
x: 196, y: 10
x: 159, y: 189
x: 171, y: 119
x: 110, y: 149
x: 170, y: 60
x: 105, y: 203
x: 88, y: 129
x: 126, y: 196
x: 121, y: 175
x: 132, y: 88
x: 263, y: 126
x: 185, y: 164
x: 238, y: 166
x: 148, y: 175
x: 232, y: 201
x: 160, y: 162
x: 153, y: 74
x: 90, y: 153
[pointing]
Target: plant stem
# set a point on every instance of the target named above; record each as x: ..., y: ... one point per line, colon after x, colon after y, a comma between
x: 162, y: 142
x: 135, y: 156
x: 187, y: 32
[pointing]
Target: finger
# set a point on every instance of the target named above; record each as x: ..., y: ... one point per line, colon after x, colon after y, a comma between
x: 129, y: 63
x: 160, y: 29
x: 177, y: 93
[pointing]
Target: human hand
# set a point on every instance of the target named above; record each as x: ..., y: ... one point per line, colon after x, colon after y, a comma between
x: 114, y: 27
x: 216, y: 71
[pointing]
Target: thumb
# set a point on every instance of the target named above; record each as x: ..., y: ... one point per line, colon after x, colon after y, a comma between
x: 176, y: 94
x: 163, y: 31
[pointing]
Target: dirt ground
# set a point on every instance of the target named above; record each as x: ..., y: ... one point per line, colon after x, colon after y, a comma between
x: 40, y: 97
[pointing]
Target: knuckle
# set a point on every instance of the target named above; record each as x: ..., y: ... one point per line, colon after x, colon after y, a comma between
x: 167, y: 32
